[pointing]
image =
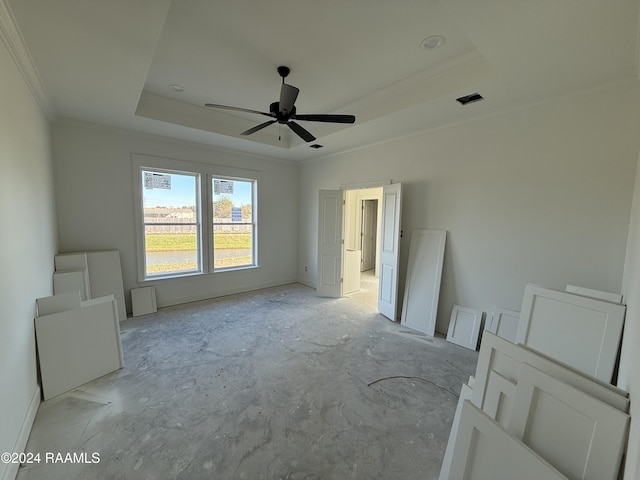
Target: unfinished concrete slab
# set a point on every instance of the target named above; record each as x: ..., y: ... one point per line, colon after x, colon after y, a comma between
x: 277, y: 383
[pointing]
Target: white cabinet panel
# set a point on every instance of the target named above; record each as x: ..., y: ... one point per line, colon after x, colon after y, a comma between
x: 580, y: 436
x: 78, y: 345
x: 464, y: 327
x: 484, y: 451
x: 143, y: 300
x: 66, y: 281
x: 579, y: 331
x: 598, y: 294
x: 506, y: 359
x: 499, y: 398
x: 465, y: 394
x: 105, y: 277
x: 503, y: 322
x: 58, y: 303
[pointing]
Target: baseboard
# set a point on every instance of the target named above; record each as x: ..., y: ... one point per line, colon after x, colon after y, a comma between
x: 307, y: 282
x: 164, y: 302
x: 23, y: 436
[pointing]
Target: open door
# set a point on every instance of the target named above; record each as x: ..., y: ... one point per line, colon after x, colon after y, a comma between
x: 390, y: 251
x: 330, y: 205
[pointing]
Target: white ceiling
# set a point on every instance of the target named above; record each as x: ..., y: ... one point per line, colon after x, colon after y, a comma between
x: 111, y: 62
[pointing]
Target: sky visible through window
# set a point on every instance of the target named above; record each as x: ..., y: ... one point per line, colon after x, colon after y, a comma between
x: 183, y: 193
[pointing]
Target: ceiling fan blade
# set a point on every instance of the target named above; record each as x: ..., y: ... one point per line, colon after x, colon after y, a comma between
x: 237, y: 109
x: 258, y: 127
x: 326, y: 118
x: 301, y: 132
x: 288, y: 95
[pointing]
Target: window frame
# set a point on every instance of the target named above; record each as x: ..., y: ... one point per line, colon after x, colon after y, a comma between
x: 253, y: 223
x: 206, y: 173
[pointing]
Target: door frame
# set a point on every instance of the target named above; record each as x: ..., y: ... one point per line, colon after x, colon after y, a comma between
x: 359, y: 186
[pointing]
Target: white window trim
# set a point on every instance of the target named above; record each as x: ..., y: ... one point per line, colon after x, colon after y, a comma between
x: 205, y: 207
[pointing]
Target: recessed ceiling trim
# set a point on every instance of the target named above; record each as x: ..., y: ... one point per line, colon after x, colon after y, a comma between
x: 449, y: 77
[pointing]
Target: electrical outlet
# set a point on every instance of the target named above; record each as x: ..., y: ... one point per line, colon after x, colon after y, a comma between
x: 305, y: 268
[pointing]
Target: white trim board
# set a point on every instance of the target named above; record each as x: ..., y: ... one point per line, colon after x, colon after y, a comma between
x: 464, y: 327
x: 424, y: 274
x: 578, y: 331
x: 506, y: 359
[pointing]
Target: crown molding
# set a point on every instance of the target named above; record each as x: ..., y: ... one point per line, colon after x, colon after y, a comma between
x: 12, y: 38
x: 637, y: 65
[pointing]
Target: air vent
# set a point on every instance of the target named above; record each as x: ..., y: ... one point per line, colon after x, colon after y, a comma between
x: 474, y: 97
x: 316, y: 145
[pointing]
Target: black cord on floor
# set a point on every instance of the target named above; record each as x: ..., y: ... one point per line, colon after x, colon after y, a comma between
x: 416, y: 378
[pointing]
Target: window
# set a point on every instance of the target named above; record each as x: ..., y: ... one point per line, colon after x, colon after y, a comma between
x: 172, y: 198
x: 233, y: 226
x: 171, y: 223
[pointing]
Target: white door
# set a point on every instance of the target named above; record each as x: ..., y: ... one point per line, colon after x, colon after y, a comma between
x: 329, y: 283
x: 390, y: 250
x: 369, y: 217
x: 424, y: 272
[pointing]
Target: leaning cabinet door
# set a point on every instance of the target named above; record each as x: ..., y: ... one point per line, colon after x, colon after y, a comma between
x: 329, y: 282
x: 484, y: 451
x: 581, y: 332
x: 579, y: 435
x: 390, y: 250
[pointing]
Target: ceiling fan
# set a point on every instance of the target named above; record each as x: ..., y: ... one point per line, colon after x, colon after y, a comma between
x: 284, y: 111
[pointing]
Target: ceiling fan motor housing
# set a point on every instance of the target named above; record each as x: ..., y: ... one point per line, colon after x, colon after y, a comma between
x: 274, y: 110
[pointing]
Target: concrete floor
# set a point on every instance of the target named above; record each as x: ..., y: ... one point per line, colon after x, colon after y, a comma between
x: 273, y: 384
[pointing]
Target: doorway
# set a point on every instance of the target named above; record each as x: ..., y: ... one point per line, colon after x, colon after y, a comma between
x: 363, y: 208
x: 339, y: 244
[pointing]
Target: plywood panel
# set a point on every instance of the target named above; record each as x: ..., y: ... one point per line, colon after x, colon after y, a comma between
x: 579, y: 331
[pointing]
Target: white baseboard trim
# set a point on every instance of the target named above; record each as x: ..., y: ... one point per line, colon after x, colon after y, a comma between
x: 307, y: 283
x: 168, y: 302
x: 20, y: 444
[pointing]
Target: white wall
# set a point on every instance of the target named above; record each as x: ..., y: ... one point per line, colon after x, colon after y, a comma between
x: 28, y: 240
x: 540, y: 195
x: 629, y: 374
x: 94, y: 197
